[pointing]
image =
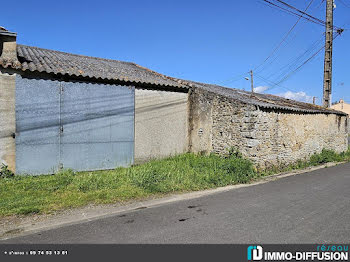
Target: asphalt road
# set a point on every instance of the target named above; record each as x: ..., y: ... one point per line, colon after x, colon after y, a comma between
x: 312, y: 207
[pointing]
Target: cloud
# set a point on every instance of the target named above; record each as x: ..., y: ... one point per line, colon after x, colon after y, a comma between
x: 260, y: 89
x: 299, y: 96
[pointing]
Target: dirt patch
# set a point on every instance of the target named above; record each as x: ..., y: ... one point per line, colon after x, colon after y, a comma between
x: 14, y: 231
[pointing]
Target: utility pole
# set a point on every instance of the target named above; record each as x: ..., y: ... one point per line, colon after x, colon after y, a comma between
x: 327, y: 75
x: 251, y: 81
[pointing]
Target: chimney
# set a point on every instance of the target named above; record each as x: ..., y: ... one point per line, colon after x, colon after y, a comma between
x: 8, y: 46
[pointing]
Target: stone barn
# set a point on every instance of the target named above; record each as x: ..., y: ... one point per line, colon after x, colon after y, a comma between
x: 61, y: 110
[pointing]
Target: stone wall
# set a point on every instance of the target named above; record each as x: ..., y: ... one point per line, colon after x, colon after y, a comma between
x: 200, y: 124
x: 268, y: 137
x: 7, y: 120
x: 169, y: 123
x: 161, y: 124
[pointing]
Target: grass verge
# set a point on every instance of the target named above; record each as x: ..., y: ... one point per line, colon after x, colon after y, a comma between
x: 183, y: 173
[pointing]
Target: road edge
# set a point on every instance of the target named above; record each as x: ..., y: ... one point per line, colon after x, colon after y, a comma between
x: 87, y: 214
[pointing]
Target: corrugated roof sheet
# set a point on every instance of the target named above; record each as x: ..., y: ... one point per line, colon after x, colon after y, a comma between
x: 262, y: 100
x: 60, y: 63
x: 56, y: 62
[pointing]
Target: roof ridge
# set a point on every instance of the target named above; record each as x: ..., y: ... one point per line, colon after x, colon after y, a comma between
x: 265, y: 98
x: 101, y: 59
x: 55, y: 62
x: 159, y: 74
x: 271, y: 95
x: 84, y: 56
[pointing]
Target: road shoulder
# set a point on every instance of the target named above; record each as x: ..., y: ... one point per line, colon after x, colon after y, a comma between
x: 14, y: 226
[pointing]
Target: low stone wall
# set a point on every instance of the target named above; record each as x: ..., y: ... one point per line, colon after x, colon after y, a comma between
x: 268, y: 137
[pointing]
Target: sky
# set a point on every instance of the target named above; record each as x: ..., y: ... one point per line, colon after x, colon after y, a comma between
x: 207, y: 41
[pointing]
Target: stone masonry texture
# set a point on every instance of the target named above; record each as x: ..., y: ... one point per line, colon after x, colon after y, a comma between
x: 266, y: 136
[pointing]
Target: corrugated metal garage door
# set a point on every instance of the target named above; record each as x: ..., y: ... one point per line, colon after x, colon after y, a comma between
x: 75, y: 125
x: 98, y: 126
x: 37, y: 126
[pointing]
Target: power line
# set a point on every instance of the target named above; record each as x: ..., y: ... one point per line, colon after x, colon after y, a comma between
x: 238, y: 77
x: 287, y: 75
x: 284, y: 69
x: 297, y: 12
x: 283, y: 39
x: 270, y: 4
x: 233, y: 79
x: 305, y: 62
x: 344, y: 4
x: 276, y: 57
x: 320, y: 4
x: 273, y: 84
x: 302, y: 12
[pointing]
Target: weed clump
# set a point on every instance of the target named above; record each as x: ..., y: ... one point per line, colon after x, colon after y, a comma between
x: 5, y: 172
x: 182, y: 173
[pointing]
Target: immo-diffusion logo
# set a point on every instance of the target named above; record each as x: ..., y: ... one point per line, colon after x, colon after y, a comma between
x: 255, y: 253
x: 322, y: 253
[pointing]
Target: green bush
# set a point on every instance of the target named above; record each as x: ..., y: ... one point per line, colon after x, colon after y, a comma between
x: 234, y: 152
x: 325, y: 156
x: 5, y: 172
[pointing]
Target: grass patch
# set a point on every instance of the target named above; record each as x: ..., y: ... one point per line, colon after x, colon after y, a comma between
x: 324, y: 157
x: 187, y: 172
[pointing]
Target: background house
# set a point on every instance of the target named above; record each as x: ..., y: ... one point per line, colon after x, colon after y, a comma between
x: 344, y: 107
x: 341, y: 106
x: 61, y: 110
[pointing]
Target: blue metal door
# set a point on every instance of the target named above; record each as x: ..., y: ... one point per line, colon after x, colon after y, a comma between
x: 97, y: 126
x: 37, y: 126
x: 76, y: 125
